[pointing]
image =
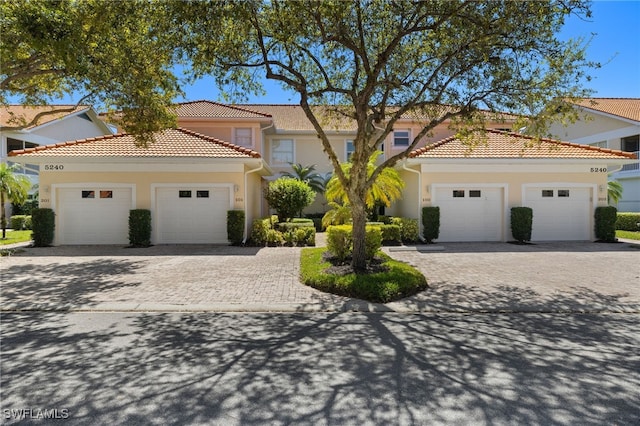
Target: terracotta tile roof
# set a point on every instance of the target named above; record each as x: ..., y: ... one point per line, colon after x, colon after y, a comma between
x: 498, y: 144
x: 18, y: 115
x: 208, y: 109
x: 622, y: 107
x: 167, y: 143
x: 292, y: 117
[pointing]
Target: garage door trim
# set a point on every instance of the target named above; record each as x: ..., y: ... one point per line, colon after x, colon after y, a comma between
x: 434, y: 187
x: 53, y: 192
x: 154, y: 202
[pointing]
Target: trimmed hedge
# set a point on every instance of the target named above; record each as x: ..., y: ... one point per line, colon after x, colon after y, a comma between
x: 340, y: 241
x: 521, y: 223
x: 140, y: 228
x: 19, y: 222
x: 300, y: 233
x: 628, y: 222
x: 259, y: 230
x: 430, y: 223
x: 409, y: 229
x: 391, y: 234
x: 44, y: 224
x: 605, y: 223
x: 235, y: 226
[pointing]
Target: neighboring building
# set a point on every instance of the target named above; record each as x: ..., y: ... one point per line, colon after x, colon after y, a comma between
x: 610, y: 123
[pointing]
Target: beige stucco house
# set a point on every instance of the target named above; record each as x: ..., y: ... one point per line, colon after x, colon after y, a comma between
x: 610, y: 123
x: 221, y: 157
x: 188, y: 180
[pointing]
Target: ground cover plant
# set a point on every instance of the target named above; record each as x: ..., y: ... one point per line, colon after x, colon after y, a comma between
x: 384, y: 281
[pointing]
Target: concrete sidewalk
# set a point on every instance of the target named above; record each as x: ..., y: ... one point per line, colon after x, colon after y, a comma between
x: 463, y: 277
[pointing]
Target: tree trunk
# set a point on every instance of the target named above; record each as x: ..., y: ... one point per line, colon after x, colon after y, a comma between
x: 359, y: 216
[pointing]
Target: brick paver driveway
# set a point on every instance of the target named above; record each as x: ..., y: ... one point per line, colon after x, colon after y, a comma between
x: 544, y: 277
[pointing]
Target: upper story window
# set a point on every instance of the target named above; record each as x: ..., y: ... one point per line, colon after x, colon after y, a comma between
x: 401, y: 137
x: 601, y: 144
x: 631, y: 143
x: 282, y: 151
x: 350, y: 149
x: 243, y: 137
x: 16, y: 144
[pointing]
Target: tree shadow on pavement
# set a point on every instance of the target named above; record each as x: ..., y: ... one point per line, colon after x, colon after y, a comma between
x: 64, y: 285
x: 325, y: 368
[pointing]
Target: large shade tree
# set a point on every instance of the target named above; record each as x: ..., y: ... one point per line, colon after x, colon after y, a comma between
x: 375, y: 62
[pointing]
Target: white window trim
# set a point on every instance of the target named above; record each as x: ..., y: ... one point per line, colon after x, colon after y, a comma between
x: 393, y: 142
x: 293, y: 150
x: 346, y: 149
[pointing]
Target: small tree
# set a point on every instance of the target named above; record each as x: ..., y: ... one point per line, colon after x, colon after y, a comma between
x: 14, y: 187
x: 614, y: 191
x: 308, y: 175
x: 289, y: 197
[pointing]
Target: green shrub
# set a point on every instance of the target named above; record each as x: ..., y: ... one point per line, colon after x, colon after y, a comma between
x: 628, y: 222
x: 409, y: 229
x: 305, y: 236
x: 289, y: 238
x: 605, y: 223
x: 259, y: 229
x: 18, y: 222
x: 139, y: 228
x: 274, y: 238
x: 44, y: 223
x: 387, y: 220
x: 339, y: 242
x: 289, y: 226
x: 372, y: 241
x: 521, y: 223
x: 391, y: 234
x: 430, y: 223
x: 235, y: 226
x: 28, y: 223
x: 289, y: 197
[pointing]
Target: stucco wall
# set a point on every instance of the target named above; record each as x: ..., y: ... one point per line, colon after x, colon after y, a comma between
x: 70, y: 129
x: 592, y: 125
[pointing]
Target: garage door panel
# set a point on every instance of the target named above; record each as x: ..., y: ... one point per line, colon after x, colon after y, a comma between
x: 192, y: 215
x: 560, y: 213
x: 94, y: 215
x: 470, y: 214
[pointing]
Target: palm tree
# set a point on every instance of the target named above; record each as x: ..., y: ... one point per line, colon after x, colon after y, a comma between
x: 14, y: 187
x: 386, y: 189
x: 614, y: 191
x: 307, y: 174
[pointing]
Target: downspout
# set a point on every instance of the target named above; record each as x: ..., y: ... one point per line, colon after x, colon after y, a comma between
x: 419, y: 173
x: 246, y: 199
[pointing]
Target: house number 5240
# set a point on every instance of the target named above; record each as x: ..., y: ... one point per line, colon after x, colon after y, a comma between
x: 598, y: 170
x: 53, y: 167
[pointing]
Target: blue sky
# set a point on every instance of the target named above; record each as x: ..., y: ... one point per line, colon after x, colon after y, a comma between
x: 615, y: 44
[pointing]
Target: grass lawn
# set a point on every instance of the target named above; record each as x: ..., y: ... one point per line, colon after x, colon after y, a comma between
x: 400, y: 280
x: 630, y: 235
x: 15, y: 237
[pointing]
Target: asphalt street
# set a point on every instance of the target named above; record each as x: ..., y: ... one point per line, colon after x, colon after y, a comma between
x: 140, y: 368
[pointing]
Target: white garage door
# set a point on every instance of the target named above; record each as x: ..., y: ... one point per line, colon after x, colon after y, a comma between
x: 560, y: 214
x: 192, y: 215
x: 88, y: 215
x: 469, y: 214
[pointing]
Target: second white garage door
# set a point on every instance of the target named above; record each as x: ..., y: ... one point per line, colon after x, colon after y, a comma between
x: 470, y: 214
x: 192, y: 215
x: 560, y: 213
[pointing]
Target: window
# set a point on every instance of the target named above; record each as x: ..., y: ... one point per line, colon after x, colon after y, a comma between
x: 184, y: 194
x: 282, y: 151
x: 88, y: 194
x: 202, y: 194
x: 350, y: 149
x: 16, y: 144
x: 631, y: 143
x: 547, y: 193
x: 401, y: 137
x: 563, y: 192
x: 458, y: 193
x: 106, y: 194
x: 475, y: 193
x: 243, y: 137
x: 602, y: 144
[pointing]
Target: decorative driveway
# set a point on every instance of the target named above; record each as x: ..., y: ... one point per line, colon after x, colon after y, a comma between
x: 492, y: 277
